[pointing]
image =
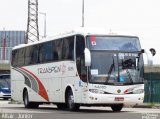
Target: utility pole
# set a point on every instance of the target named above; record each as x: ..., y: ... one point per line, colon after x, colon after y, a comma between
x: 32, y: 26
x: 4, y: 46
x: 82, y: 13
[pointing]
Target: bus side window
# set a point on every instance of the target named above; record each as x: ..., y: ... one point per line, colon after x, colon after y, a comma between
x: 31, y: 55
x: 34, y: 55
x: 27, y: 55
x: 46, y: 52
x: 14, y: 58
x: 68, y: 48
x: 57, y: 50
x: 21, y: 53
x: 80, y: 46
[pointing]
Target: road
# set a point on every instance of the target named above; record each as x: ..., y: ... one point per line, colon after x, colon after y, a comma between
x: 17, y: 111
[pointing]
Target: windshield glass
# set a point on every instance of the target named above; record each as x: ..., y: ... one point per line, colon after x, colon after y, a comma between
x: 5, y: 82
x: 119, y: 67
x: 122, y: 43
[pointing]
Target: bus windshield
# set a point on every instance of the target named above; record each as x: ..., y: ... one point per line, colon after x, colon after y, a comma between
x: 5, y: 82
x: 115, y: 60
x: 122, y: 43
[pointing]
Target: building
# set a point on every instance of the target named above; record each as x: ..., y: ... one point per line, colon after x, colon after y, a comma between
x: 9, y: 39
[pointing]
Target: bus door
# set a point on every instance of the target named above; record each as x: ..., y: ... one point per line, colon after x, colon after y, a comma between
x: 82, y: 70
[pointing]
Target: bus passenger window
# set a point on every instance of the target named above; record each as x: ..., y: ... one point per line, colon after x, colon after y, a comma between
x: 46, y: 52
x: 21, y: 53
x: 28, y: 55
x: 34, y: 55
x: 31, y: 55
x: 57, y: 52
x: 68, y: 48
x: 14, y: 57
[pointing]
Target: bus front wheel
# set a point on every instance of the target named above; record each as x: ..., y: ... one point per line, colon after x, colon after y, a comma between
x: 70, y: 101
x: 117, y: 108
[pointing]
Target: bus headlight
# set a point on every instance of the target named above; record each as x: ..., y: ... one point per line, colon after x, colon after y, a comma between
x: 96, y: 91
x: 1, y: 93
x: 139, y: 91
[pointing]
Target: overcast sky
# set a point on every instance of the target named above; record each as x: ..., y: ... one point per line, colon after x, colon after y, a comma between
x: 140, y: 17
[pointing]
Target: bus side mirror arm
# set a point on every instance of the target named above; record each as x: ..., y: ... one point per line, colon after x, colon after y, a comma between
x: 152, y: 51
x: 87, y: 55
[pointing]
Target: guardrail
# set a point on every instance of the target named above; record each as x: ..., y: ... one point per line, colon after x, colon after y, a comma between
x: 152, y: 87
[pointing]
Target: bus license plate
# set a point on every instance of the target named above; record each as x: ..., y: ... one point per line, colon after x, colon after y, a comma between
x: 119, y: 99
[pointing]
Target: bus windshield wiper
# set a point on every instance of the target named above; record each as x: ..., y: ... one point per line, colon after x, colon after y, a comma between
x: 110, y: 69
x: 129, y: 75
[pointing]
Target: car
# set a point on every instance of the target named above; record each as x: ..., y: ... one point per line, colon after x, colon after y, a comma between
x: 5, y: 86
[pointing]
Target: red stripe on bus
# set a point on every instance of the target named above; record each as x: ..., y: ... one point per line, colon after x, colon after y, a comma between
x: 42, y: 91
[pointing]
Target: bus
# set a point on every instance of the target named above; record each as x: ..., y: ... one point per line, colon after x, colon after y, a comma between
x: 5, y: 86
x: 79, y: 68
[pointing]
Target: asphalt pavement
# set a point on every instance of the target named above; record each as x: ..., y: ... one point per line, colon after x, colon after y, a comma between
x: 17, y: 111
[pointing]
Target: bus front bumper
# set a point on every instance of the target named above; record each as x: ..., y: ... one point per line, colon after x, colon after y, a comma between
x: 127, y: 99
x: 3, y: 95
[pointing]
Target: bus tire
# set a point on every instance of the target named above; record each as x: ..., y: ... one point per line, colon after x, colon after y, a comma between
x: 117, y: 108
x: 70, y: 102
x: 27, y: 103
x: 5, y: 98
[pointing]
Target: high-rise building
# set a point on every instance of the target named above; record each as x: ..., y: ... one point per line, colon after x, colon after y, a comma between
x: 9, y: 39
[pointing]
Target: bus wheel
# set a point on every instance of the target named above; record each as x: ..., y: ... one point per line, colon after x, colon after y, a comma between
x: 27, y: 103
x: 70, y: 102
x: 5, y: 98
x: 117, y: 108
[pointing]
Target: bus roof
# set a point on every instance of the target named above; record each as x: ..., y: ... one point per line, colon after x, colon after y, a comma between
x: 81, y: 31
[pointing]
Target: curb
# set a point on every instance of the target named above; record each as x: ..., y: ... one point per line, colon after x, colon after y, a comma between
x: 148, y: 105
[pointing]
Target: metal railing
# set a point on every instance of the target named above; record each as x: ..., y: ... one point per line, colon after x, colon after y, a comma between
x: 152, y: 87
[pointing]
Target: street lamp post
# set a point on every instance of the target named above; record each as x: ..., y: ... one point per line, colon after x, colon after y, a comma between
x: 82, y: 13
x: 44, y: 23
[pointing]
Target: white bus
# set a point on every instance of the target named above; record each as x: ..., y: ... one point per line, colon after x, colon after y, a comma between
x: 79, y: 69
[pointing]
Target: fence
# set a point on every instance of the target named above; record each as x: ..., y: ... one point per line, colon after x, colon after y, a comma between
x: 152, y: 87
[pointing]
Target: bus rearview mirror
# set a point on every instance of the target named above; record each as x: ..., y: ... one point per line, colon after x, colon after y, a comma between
x: 153, y: 51
x: 150, y: 55
x: 87, y: 57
